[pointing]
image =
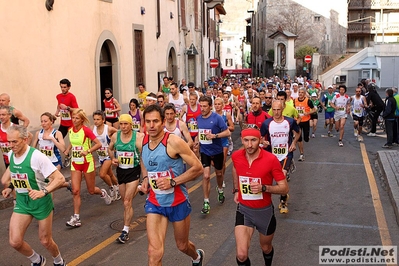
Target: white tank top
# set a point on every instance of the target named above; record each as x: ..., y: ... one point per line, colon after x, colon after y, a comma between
x: 179, y: 103
x: 46, y: 146
x: 104, y: 139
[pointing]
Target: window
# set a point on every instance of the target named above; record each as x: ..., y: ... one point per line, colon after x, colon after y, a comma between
x: 183, y: 13
x: 316, y: 18
x: 229, y: 62
x: 229, y: 50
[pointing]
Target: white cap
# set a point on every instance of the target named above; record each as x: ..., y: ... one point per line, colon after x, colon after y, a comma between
x: 228, y: 88
x: 314, y: 94
x: 330, y: 86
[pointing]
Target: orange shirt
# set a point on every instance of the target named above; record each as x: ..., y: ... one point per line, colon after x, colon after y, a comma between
x: 303, y: 107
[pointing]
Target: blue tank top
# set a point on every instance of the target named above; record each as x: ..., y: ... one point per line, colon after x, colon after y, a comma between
x: 160, y: 165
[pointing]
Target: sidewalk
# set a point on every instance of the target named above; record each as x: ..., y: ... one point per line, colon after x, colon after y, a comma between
x: 389, y: 164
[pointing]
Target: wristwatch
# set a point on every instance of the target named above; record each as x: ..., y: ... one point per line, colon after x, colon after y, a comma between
x: 235, y: 190
x: 216, y: 136
x: 172, y: 183
x: 263, y: 188
x: 45, y: 191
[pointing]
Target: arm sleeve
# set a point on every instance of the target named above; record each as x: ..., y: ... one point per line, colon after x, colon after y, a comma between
x: 89, y: 133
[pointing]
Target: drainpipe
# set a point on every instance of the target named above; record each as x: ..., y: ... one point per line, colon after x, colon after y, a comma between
x: 158, y: 18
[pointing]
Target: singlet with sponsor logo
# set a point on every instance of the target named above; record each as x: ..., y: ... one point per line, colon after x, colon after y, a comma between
x: 136, y: 120
x: 191, y: 120
x: 340, y: 101
x: 179, y: 103
x: 327, y: 98
x: 279, y: 135
x: 303, y: 107
x: 48, y: 147
x: 81, y: 141
x: 127, y: 153
x: 358, y: 106
x: 160, y: 165
x: 109, y: 106
x: 175, y: 131
x: 105, y: 140
x: 5, y: 146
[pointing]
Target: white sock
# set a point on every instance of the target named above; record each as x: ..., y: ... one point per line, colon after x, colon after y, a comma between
x: 58, y: 259
x: 77, y: 216
x: 126, y: 228
x: 206, y: 200
x: 34, y: 258
x: 198, y: 258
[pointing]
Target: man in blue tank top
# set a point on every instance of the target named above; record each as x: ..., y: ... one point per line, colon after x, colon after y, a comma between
x: 164, y: 179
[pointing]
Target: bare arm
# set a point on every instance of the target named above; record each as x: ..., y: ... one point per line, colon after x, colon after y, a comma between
x: 18, y: 114
x: 35, y: 140
x: 56, y: 181
x: 117, y: 106
x: 186, y: 134
x: 111, y: 150
x: 230, y: 122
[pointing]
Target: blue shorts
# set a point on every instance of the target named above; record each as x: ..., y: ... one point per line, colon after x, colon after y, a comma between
x: 225, y: 142
x: 103, y: 160
x: 174, y: 214
x: 57, y: 163
x: 329, y: 115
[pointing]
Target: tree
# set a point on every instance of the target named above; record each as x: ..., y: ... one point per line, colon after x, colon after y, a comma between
x: 304, y: 50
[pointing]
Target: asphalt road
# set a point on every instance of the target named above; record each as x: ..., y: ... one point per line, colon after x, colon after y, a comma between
x: 333, y: 201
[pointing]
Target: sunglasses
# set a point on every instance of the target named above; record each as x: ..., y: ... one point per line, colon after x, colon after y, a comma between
x: 268, y: 97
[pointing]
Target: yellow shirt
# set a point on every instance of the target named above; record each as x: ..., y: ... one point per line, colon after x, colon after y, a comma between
x: 142, y: 99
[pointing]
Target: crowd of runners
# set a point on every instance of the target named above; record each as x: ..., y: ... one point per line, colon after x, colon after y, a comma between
x: 173, y: 136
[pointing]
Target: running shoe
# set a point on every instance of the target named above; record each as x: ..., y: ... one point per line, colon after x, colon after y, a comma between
x: 62, y: 264
x: 355, y: 132
x: 386, y: 146
x: 123, y: 237
x: 313, y: 135
x: 330, y: 134
x: 288, y: 176
x: 112, y: 193
x: 201, y: 253
x: 283, y: 205
x: 325, y: 125
x: 301, y: 158
x: 117, y: 193
x: 359, y: 138
x: 340, y: 143
x: 371, y: 134
x: 41, y: 263
x: 205, y: 208
x: 106, y: 197
x: 221, y: 196
x: 74, y: 222
x: 395, y: 144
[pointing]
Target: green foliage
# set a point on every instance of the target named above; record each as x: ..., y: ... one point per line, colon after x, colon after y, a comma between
x: 304, y: 50
x: 270, y: 54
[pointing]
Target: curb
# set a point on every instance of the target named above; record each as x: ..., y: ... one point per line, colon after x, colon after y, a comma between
x: 389, y: 164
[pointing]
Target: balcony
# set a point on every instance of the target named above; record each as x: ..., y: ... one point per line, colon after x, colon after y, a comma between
x: 359, y: 28
x: 384, y: 4
x: 359, y: 4
x: 389, y: 28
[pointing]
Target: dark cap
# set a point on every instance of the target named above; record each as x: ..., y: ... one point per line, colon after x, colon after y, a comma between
x: 270, y: 85
x: 190, y: 84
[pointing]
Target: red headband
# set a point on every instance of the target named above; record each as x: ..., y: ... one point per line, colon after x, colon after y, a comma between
x: 250, y: 132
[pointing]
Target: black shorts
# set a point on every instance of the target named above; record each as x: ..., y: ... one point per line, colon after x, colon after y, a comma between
x: 305, y: 128
x: 359, y: 119
x: 128, y: 175
x: 262, y: 219
x: 63, y: 130
x: 314, y: 116
x: 112, y: 120
x: 216, y: 159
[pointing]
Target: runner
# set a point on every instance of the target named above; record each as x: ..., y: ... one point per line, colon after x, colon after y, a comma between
x: 359, y: 103
x: 111, y: 109
x: 305, y: 108
x: 257, y: 115
x: 164, y: 178
x: 125, y: 144
x: 50, y: 140
x: 192, y: 111
x: 176, y: 126
x: 16, y: 115
x: 281, y: 134
x: 211, y: 128
x: 341, y: 104
x: 314, y: 116
x: 254, y: 170
x: 103, y: 133
x: 80, y: 137
x: 66, y: 105
x: 328, y: 109
x: 136, y: 114
x: 176, y: 98
x: 28, y: 172
x: 142, y: 95
x: 5, y: 119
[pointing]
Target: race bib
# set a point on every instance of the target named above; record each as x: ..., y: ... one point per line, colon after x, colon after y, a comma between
x: 341, y: 108
x: 202, y: 136
x: 358, y: 111
x: 154, y: 176
x: 5, y: 147
x: 301, y: 110
x: 125, y: 159
x: 20, y: 182
x: 76, y: 154
x: 65, y: 115
x: 193, y: 127
x: 102, y: 152
x: 109, y: 113
x: 136, y: 125
x: 280, y: 150
x: 47, y: 150
x: 245, y: 188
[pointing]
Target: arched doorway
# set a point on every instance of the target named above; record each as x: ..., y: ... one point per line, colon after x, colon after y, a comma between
x: 172, y: 64
x: 107, y: 67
